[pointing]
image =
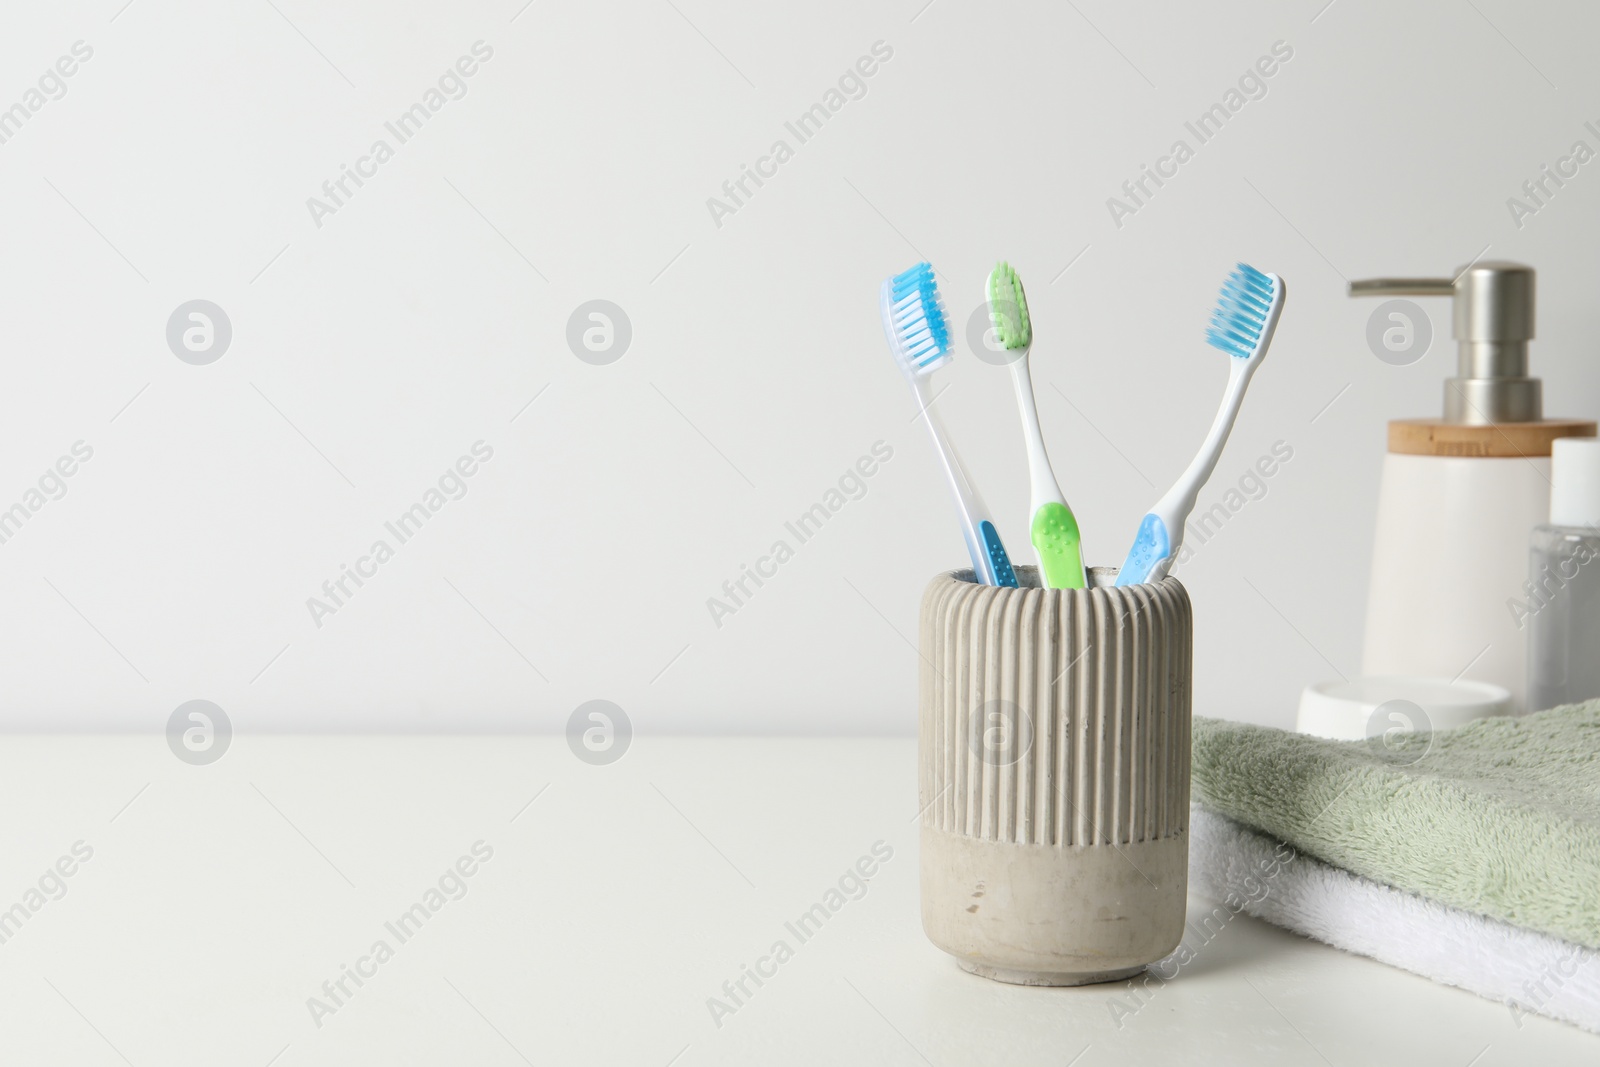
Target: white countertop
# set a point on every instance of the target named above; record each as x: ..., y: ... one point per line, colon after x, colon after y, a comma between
x: 218, y: 899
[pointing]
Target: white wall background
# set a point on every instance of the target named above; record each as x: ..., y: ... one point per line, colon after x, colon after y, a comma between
x: 368, y: 354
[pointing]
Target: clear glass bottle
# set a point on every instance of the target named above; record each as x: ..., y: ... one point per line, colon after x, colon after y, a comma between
x: 1563, y: 592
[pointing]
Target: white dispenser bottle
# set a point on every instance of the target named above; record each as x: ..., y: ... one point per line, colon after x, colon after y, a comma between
x: 1460, y: 495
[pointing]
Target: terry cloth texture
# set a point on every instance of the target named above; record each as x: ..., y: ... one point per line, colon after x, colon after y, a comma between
x: 1500, y: 817
x: 1530, y: 972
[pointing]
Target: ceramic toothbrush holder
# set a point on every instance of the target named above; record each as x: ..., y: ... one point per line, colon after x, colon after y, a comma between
x: 1053, y: 773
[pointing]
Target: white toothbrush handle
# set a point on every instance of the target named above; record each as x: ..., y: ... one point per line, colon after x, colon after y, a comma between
x: 1043, y: 488
x: 969, y: 505
x: 1173, y: 509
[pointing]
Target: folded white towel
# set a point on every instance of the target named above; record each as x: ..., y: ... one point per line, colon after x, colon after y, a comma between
x: 1530, y: 972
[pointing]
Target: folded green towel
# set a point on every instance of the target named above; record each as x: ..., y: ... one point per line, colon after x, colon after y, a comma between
x: 1500, y: 817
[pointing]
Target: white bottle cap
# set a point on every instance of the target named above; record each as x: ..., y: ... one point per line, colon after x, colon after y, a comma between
x: 1575, y: 481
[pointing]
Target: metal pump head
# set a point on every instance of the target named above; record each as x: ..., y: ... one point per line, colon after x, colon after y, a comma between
x: 1492, y: 325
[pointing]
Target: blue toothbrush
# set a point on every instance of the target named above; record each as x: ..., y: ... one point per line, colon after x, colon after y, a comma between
x: 1242, y: 326
x: 914, y: 324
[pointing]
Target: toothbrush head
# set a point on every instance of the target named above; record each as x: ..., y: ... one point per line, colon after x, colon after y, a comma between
x: 914, y: 321
x: 1008, y: 308
x: 1247, y: 313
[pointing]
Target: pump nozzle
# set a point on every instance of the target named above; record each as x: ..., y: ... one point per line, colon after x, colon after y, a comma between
x: 1492, y: 324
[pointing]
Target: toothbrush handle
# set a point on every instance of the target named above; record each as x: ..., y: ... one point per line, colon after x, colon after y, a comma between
x: 990, y: 563
x: 1160, y: 535
x: 1058, y: 545
x: 1180, y: 499
x: 1041, y: 478
x: 1053, y: 529
x: 1150, y: 555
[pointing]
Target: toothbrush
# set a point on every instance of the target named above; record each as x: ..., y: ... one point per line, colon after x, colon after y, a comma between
x: 1052, y: 528
x: 1242, y: 326
x: 918, y: 335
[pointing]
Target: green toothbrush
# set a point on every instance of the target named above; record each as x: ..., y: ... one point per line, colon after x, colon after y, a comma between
x: 1053, y: 530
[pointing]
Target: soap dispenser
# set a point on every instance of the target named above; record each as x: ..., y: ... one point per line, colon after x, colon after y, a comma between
x: 1460, y: 494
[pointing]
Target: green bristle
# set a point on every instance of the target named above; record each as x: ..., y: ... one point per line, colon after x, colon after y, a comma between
x: 1008, y: 308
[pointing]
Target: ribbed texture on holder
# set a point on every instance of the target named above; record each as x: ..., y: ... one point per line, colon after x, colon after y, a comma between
x: 1055, y: 716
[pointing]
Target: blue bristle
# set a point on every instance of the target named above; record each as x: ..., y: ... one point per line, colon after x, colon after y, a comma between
x: 1241, y: 312
x: 919, y: 314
